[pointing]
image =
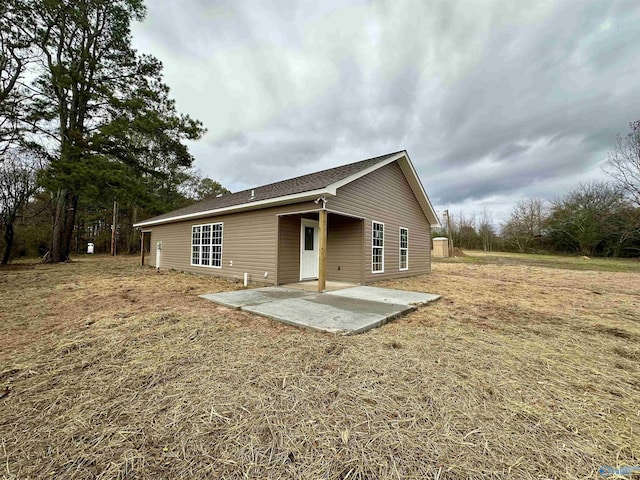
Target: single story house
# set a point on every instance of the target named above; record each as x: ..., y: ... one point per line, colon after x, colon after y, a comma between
x: 357, y: 223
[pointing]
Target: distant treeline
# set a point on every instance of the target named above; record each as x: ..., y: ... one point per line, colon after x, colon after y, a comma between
x: 595, y: 219
x: 31, y: 234
x: 598, y: 218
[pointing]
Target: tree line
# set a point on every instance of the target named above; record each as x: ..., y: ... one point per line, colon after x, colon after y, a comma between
x: 85, y: 119
x: 594, y: 219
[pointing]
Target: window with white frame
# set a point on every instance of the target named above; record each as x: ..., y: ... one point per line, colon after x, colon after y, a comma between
x: 377, y: 247
x: 404, y: 248
x: 206, y: 245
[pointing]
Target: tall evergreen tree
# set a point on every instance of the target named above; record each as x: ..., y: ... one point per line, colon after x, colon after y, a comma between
x: 103, y: 105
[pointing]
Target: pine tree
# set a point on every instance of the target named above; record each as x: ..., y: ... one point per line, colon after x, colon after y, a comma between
x: 103, y: 105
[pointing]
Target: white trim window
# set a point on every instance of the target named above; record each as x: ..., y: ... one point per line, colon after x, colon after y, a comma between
x: 206, y: 245
x: 404, y: 249
x: 377, y: 247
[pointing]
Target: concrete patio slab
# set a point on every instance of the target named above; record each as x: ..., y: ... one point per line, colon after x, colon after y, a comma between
x: 387, y: 295
x: 330, y: 314
x: 350, y: 310
x: 255, y: 296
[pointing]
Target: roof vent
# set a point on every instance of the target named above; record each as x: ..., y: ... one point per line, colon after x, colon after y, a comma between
x: 253, y: 193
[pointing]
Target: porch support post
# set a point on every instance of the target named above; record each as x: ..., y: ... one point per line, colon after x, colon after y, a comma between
x: 141, y: 248
x: 322, y: 254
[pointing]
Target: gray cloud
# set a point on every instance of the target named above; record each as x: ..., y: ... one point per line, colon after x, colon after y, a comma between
x: 495, y: 101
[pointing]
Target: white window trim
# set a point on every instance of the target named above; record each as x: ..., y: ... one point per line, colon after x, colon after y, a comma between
x: 373, y: 222
x: 211, y: 245
x: 400, y: 249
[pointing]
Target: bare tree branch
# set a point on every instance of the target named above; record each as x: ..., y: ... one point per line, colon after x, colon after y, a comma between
x: 17, y: 184
x: 623, y: 164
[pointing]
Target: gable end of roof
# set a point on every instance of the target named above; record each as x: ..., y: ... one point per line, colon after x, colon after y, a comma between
x: 313, y: 185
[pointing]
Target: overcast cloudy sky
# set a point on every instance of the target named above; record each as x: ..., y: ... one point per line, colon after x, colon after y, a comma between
x: 495, y: 101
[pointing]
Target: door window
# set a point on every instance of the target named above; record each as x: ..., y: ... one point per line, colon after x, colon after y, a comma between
x: 308, y: 238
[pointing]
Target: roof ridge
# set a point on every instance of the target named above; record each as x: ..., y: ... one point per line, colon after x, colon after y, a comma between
x: 385, y: 156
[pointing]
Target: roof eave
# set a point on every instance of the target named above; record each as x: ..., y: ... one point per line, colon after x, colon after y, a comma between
x: 401, y: 157
x: 270, y: 202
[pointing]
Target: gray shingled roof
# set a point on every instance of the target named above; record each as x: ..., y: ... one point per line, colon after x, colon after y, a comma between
x: 305, y: 183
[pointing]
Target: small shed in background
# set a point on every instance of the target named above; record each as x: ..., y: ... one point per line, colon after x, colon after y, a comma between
x: 440, y: 247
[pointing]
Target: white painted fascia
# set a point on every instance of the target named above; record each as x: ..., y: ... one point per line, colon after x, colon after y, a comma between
x: 296, y: 197
x: 316, y: 210
x: 299, y: 212
x: 418, y: 190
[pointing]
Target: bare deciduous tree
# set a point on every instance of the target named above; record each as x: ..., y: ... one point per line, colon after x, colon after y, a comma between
x: 485, y: 230
x: 525, y: 224
x: 464, y: 231
x: 17, y: 185
x: 581, y: 220
x: 623, y: 164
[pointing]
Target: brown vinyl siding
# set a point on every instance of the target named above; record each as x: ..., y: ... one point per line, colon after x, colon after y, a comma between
x: 385, y: 196
x: 289, y: 249
x: 344, y: 249
x: 268, y: 240
x: 249, y: 241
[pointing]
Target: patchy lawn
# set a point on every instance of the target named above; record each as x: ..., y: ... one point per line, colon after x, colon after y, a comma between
x: 575, y: 262
x: 116, y: 371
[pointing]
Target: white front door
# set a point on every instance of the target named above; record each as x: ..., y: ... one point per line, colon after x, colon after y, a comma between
x: 308, y: 249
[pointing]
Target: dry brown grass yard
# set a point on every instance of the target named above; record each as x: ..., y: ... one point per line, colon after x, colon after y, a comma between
x: 522, y: 370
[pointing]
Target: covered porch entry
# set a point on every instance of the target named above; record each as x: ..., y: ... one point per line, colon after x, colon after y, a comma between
x: 320, y: 246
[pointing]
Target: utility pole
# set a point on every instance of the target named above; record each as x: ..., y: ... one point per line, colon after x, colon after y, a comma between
x: 113, y: 227
x: 450, y: 235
